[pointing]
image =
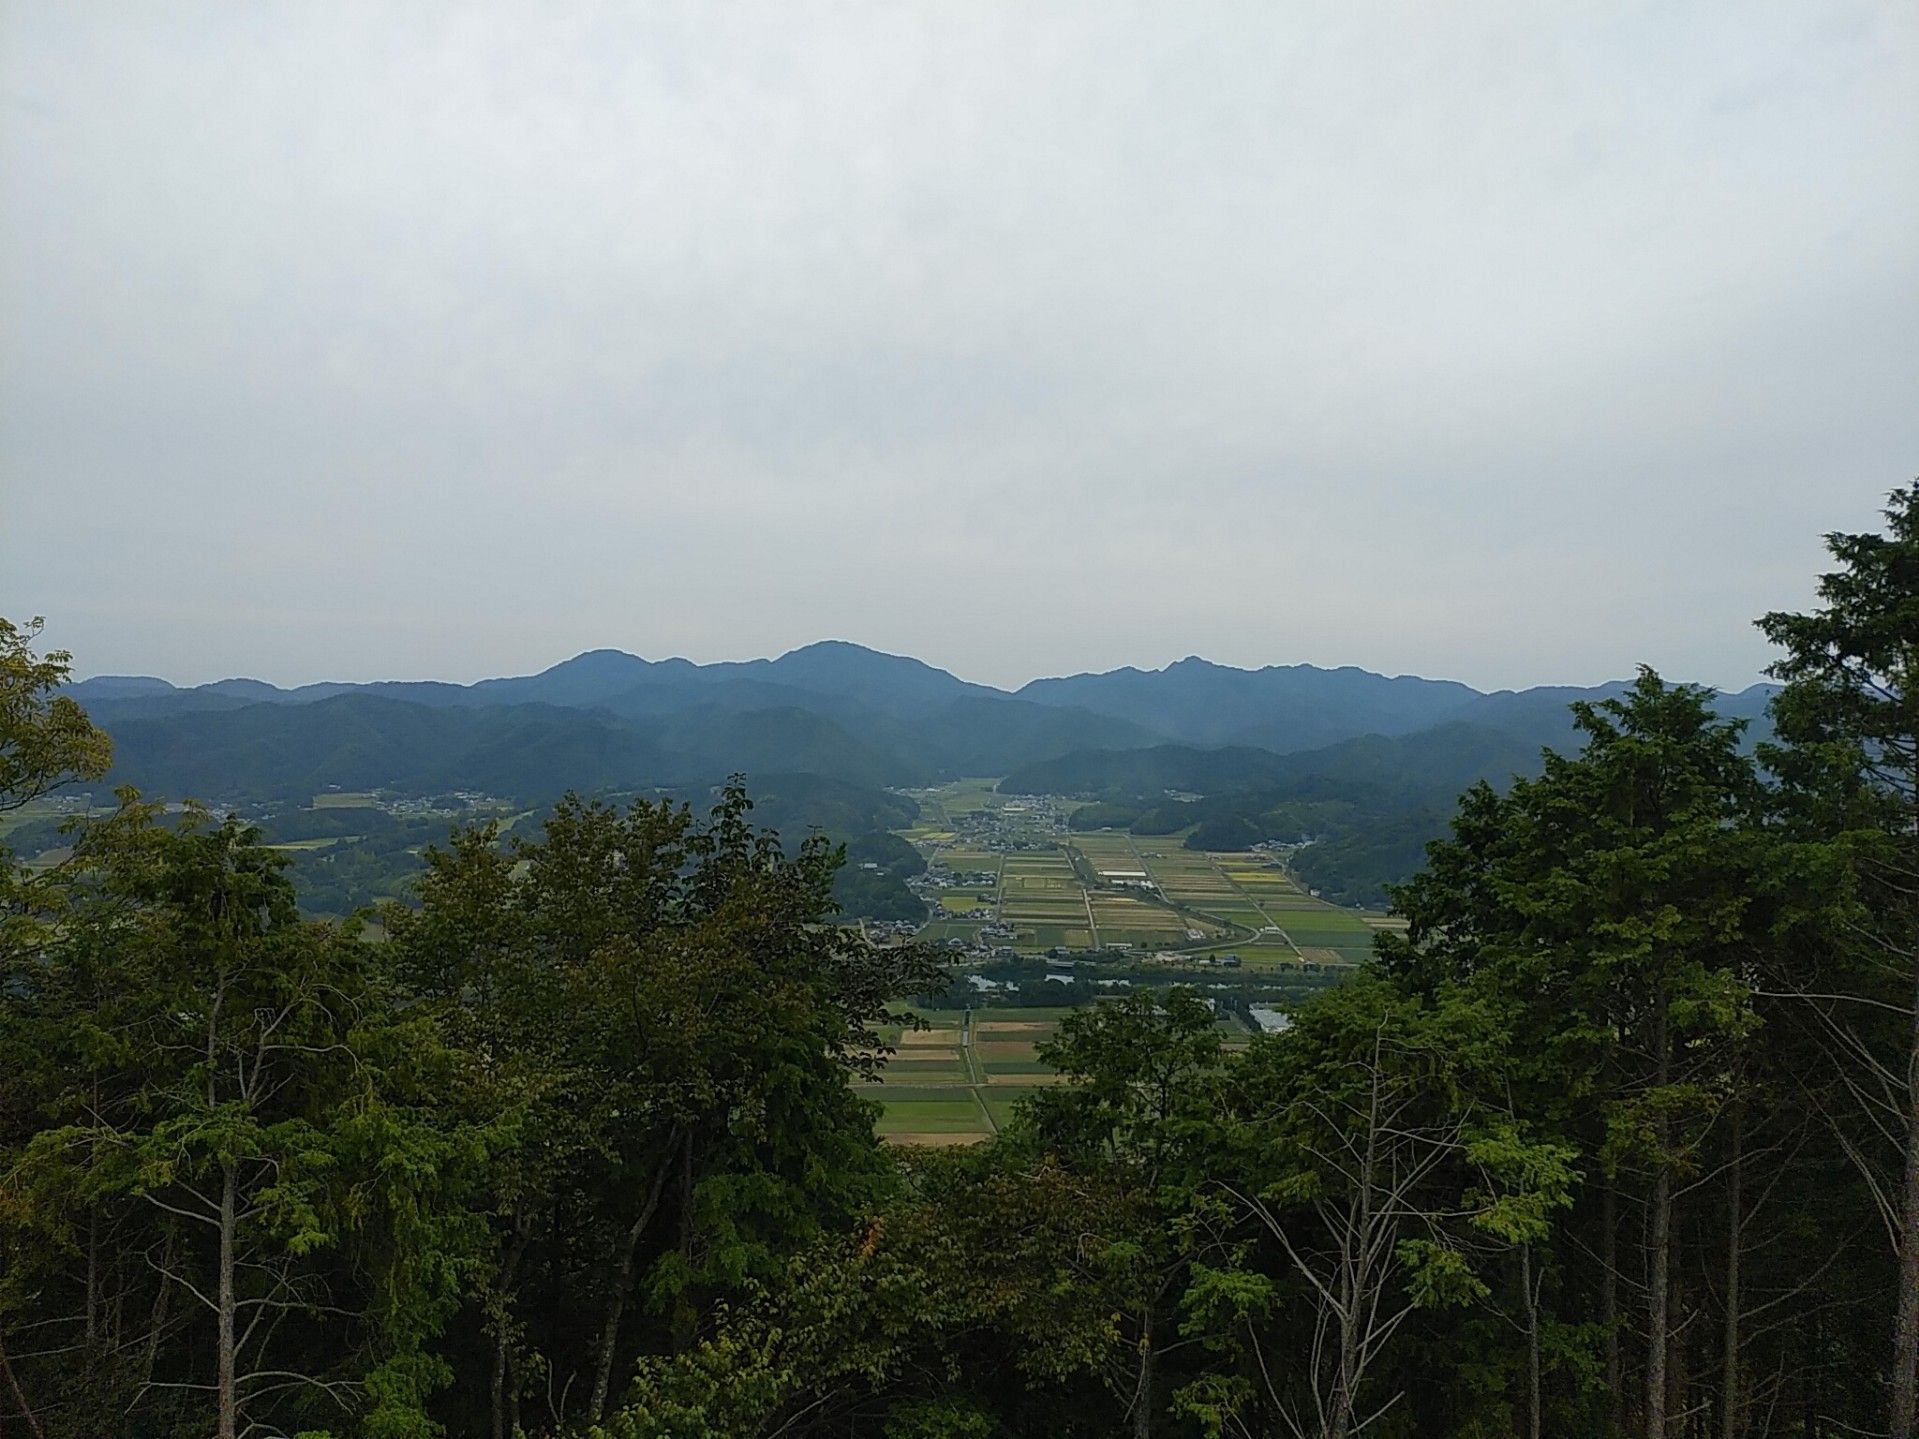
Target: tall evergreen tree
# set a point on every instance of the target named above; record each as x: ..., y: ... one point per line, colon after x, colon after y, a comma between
x: 1604, y: 910
x: 1848, y: 720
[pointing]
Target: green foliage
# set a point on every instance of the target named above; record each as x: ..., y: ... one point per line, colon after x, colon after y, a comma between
x: 1849, y: 769
x: 46, y: 740
x: 1228, y: 832
x: 228, y: 1093
x: 1105, y: 814
x: 667, y: 1002
x: 1594, y: 1147
x: 871, y: 880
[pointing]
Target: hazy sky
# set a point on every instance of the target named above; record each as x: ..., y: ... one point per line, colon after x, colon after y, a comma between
x: 1511, y: 343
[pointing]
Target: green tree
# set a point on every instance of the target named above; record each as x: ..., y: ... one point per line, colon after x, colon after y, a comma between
x: 1383, y: 1161
x: 233, y: 1100
x: 677, y: 1015
x: 46, y: 739
x: 46, y: 743
x: 1848, y: 720
x: 1607, y: 912
x: 1137, y: 1120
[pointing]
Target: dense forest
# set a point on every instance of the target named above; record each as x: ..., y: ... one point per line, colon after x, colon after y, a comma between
x: 1619, y: 1138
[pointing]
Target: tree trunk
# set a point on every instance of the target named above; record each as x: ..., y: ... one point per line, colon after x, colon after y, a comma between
x: 157, y: 1320
x: 1609, y: 1309
x: 502, y: 1334
x: 93, y: 1281
x: 19, y: 1396
x: 1659, y: 1259
x: 497, y: 1390
x: 93, y: 1256
x: 1680, y: 1416
x: 1816, y: 1383
x: 1735, y: 1225
x: 228, y: 1360
x: 1905, y: 1339
x: 1533, y: 1420
x: 685, y: 1320
x: 1359, y: 1234
x: 1143, y: 1392
x: 622, y: 1286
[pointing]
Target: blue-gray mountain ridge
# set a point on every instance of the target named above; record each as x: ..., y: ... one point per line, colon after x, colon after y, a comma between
x: 608, y: 720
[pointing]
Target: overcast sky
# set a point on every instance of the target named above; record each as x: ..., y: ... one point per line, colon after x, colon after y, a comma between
x: 1512, y: 343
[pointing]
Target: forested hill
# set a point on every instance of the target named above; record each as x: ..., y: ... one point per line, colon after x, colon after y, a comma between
x: 538, y: 751
x: 1363, y: 808
x: 607, y: 719
x: 1433, y: 764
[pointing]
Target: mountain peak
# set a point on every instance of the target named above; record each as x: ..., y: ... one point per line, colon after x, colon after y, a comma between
x: 851, y: 652
x: 1193, y: 664
x: 599, y: 659
x: 243, y: 687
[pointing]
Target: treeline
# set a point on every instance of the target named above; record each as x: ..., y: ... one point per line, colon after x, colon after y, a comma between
x: 1621, y: 1138
x: 261, y: 1176
x: 383, y: 865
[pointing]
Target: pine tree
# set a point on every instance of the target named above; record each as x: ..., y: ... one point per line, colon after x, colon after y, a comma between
x: 1849, y: 722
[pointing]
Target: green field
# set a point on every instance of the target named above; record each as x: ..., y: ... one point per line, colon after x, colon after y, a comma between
x: 35, y: 811
x: 1010, y: 861
x: 957, y: 1081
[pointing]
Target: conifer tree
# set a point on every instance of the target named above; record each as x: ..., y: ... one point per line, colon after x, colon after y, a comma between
x: 1848, y: 720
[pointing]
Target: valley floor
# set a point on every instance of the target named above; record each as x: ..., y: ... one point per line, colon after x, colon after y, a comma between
x: 1032, y: 912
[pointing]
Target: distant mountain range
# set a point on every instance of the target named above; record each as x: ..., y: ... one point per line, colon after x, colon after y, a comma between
x: 611, y: 720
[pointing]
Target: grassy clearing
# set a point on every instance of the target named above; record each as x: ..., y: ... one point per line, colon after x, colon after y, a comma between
x: 914, y: 1117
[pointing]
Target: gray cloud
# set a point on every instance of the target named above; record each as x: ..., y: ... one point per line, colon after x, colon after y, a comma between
x: 1497, y: 341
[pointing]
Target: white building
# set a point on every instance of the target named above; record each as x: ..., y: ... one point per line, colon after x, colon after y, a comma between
x: 1269, y: 1020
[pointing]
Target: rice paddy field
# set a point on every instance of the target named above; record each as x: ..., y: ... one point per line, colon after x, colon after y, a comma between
x: 933, y: 1087
x: 1009, y: 861
x: 958, y: 1080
